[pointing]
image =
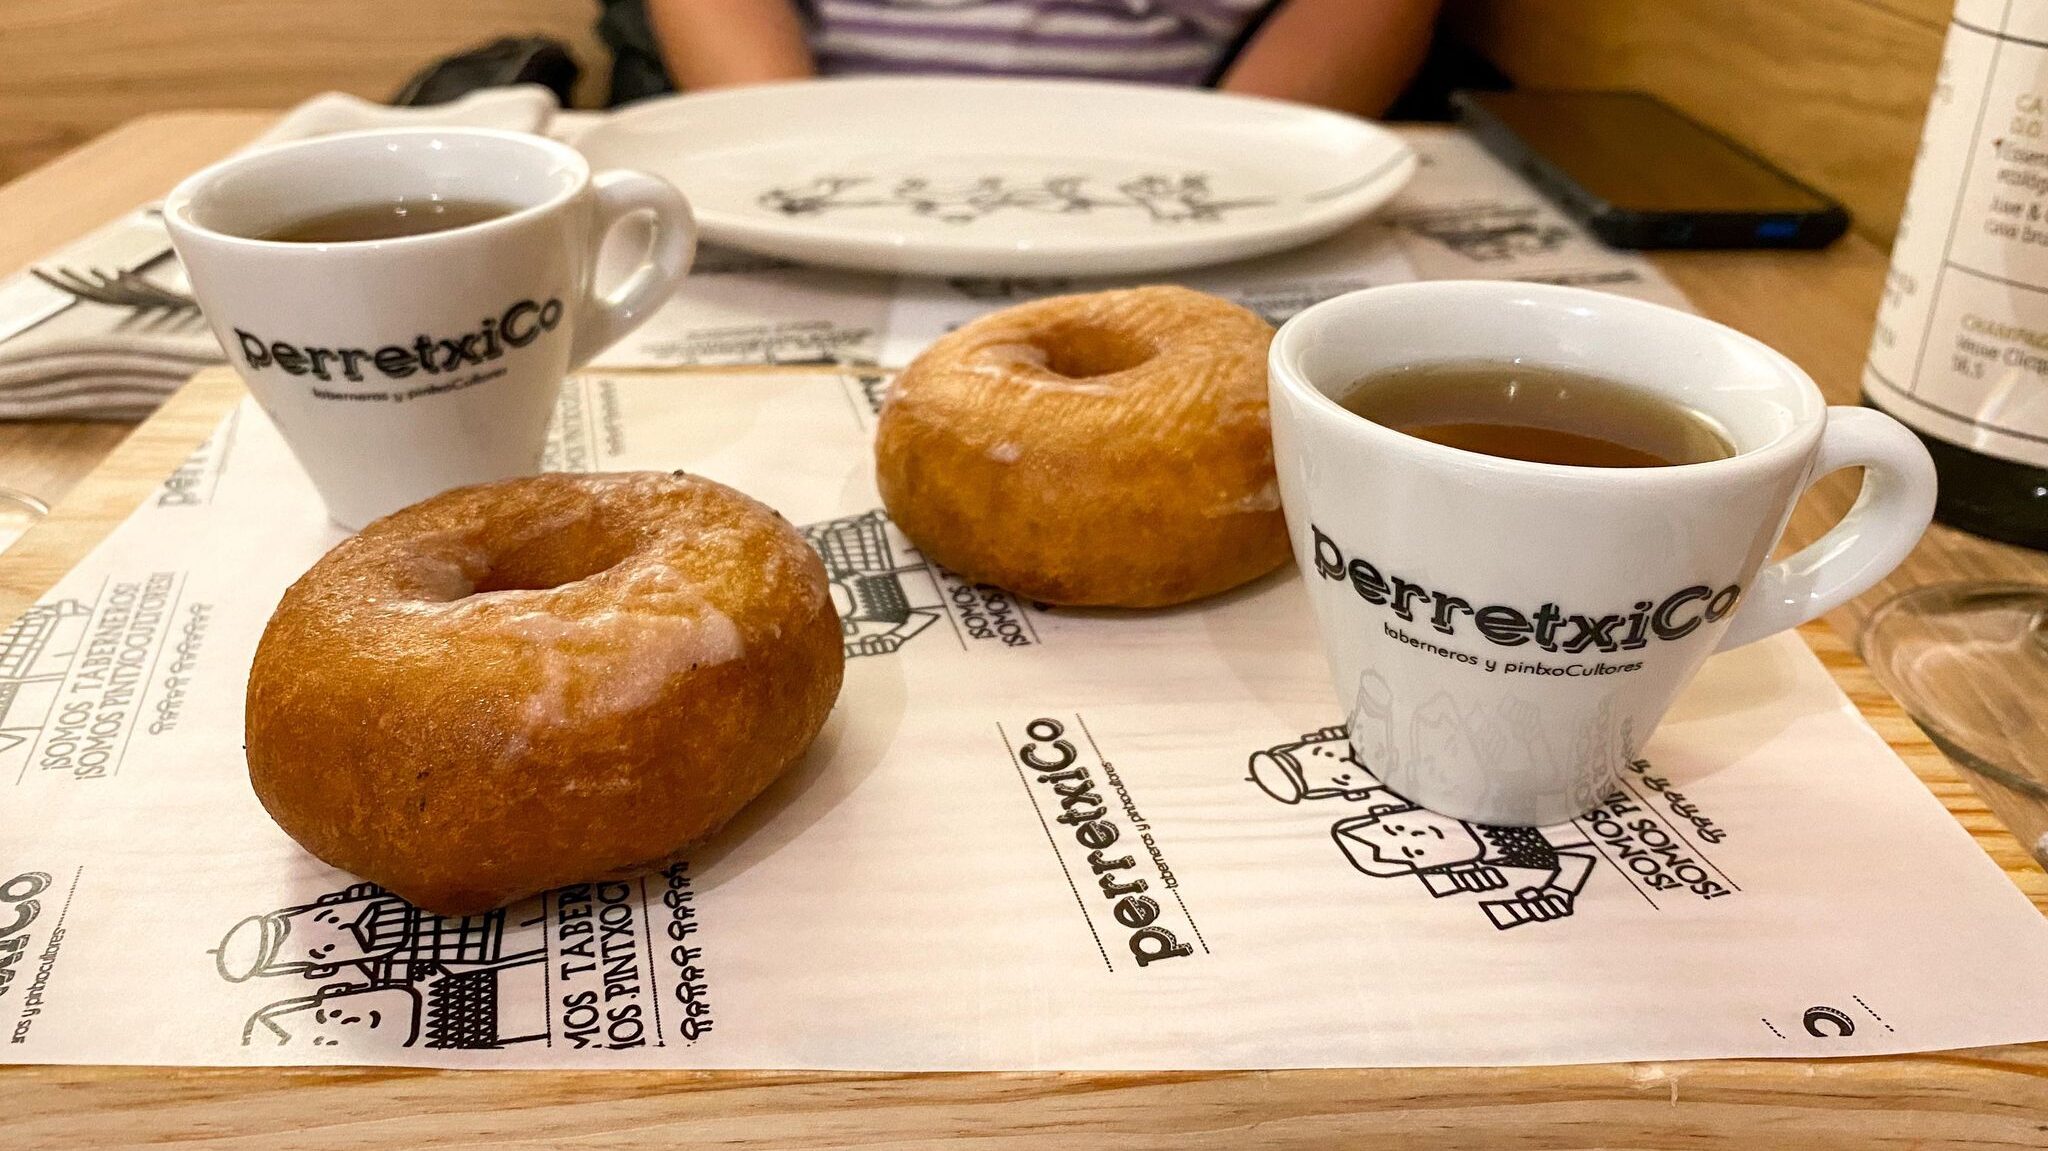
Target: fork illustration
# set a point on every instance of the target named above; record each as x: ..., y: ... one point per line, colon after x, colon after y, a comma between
x: 130, y: 290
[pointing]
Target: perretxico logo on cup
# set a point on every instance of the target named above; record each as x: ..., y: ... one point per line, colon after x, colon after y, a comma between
x: 1549, y: 626
x: 515, y: 327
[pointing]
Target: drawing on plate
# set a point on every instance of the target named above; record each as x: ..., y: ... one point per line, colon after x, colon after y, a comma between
x: 1520, y: 873
x: 390, y: 974
x: 885, y: 593
x: 1163, y: 199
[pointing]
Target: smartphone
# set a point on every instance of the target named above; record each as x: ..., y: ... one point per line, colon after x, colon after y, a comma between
x: 1640, y: 174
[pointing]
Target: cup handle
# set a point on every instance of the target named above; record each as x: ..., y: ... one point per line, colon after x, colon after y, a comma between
x: 1889, y: 516
x: 672, y: 244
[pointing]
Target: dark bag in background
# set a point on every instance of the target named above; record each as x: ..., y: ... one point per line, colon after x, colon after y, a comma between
x: 511, y: 60
x: 637, y: 71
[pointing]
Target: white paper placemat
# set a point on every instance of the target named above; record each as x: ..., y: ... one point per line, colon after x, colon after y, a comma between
x: 1026, y: 839
x: 736, y: 308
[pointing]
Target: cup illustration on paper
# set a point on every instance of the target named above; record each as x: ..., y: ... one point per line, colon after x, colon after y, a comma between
x: 1522, y: 874
x: 391, y: 975
x: 884, y: 596
x: 1320, y: 765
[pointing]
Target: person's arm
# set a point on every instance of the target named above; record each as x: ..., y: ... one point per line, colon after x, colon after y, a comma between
x: 719, y: 43
x: 1351, y: 55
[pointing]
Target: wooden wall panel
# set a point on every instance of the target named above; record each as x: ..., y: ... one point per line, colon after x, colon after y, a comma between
x: 71, y: 69
x: 1833, y: 91
x: 1934, y: 13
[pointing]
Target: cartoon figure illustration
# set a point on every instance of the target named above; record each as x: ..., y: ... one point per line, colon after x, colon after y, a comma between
x: 883, y: 601
x: 364, y: 927
x: 1172, y: 200
x: 399, y: 975
x: 1451, y: 856
x: 387, y: 1017
x: 809, y: 199
x: 1320, y: 765
x: 1538, y: 879
x: 963, y: 207
x: 1063, y: 194
x: 1487, y: 233
x: 35, y: 655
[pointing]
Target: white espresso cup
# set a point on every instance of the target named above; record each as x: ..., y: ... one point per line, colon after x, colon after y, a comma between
x: 399, y: 368
x: 1504, y: 635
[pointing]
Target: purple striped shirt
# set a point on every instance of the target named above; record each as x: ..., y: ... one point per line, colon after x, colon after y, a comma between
x: 1159, y: 41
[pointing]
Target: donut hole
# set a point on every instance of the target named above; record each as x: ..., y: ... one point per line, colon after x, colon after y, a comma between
x: 1080, y: 350
x: 564, y: 556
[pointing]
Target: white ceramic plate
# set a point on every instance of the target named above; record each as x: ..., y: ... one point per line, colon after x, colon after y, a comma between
x: 1006, y: 177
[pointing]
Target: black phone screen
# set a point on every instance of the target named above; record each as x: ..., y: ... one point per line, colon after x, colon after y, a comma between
x: 1639, y: 155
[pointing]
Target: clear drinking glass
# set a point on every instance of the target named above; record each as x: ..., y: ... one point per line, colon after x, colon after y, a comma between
x: 19, y: 511
x: 1969, y: 662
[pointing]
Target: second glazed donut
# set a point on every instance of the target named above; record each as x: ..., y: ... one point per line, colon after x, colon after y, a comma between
x: 1110, y: 449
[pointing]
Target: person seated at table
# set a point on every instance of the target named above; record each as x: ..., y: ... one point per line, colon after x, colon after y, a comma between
x: 1351, y: 55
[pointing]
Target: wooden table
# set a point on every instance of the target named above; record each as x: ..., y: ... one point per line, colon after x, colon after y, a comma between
x: 1816, y: 307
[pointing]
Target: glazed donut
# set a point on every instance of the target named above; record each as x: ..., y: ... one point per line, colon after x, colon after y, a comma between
x: 539, y: 681
x: 1109, y: 449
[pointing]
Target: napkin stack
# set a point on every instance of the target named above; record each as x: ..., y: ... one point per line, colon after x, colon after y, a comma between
x: 106, y: 327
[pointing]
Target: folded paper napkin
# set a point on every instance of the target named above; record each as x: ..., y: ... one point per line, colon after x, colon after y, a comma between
x: 106, y: 327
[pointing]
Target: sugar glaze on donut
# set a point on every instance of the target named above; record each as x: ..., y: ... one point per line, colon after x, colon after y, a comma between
x: 528, y: 683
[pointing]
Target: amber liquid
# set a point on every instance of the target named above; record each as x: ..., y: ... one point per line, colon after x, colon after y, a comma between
x: 1542, y: 415
x: 387, y: 221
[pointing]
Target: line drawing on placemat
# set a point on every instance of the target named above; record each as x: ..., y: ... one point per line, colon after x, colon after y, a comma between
x: 1539, y: 879
x: 390, y: 974
x: 884, y: 597
x: 36, y: 652
x: 1486, y: 232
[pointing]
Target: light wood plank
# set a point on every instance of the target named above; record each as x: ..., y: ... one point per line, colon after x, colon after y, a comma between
x: 1992, y: 1098
x: 48, y: 208
x: 1932, y: 13
x: 113, y: 489
x: 1833, y: 91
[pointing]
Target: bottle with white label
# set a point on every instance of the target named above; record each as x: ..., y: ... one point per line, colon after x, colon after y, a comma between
x: 1960, y: 353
